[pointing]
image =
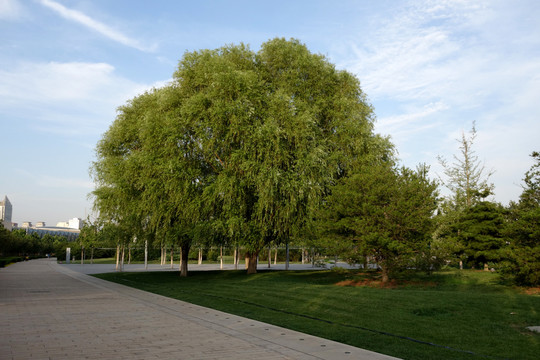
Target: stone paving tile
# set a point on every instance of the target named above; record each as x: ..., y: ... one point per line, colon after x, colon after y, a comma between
x: 52, y: 312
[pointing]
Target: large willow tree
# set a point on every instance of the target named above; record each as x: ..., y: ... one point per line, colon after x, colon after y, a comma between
x: 243, y: 143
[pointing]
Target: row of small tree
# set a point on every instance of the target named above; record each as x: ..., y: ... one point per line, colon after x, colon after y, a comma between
x: 22, y: 244
x: 253, y: 149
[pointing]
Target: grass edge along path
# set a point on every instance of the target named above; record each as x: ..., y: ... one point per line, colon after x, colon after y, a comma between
x: 452, y: 315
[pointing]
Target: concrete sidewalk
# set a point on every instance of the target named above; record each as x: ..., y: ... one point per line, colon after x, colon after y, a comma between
x: 49, y: 311
x: 88, y: 268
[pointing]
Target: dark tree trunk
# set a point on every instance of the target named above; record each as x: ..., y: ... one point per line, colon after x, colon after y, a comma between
x: 184, y: 262
x: 251, y: 262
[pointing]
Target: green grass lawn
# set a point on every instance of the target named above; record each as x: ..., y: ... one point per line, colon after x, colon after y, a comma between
x: 462, y: 314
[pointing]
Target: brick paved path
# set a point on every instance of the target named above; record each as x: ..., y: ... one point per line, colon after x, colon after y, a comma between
x: 50, y: 312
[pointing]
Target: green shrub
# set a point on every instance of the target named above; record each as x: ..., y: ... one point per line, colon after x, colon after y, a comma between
x: 9, y: 260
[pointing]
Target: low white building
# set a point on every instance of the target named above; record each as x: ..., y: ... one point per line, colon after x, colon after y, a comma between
x: 75, y: 223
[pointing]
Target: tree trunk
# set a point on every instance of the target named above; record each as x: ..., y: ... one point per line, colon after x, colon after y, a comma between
x: 236, y: 257
x: 275, y: 257
x: 287, y: 256
x: 122, y: 258
x: 146, y: 254
x: 303, y: 256
x: 221, y: 257
x: 117, y: 257
x: 184, y: 261
x: 384, y: 270
x: 180, y: 258
x: 92, y: 256
x: 129, y: 255
x: 162, y: 256
x: 82, y: 255
x: 251, y: 262
x: 200, y: 256
x: 172, y: 257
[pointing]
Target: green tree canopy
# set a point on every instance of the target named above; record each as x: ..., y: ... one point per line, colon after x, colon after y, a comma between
x: 275, y: 127
x: 466, y: 177
x: 242, y: 143
x: 523, y: 230
x: 530, y: 197
x: 480, y: 231
x: 384, y: 212
x: 468, y: 181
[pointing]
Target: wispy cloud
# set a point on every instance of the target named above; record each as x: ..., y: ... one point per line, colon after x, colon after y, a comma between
x: 459, y: 51
x: 443, y: 65
x: 409, y: 118
x: 10, y: 9
x: 412, y: 53
x: 54, y: 81
x: 63, y: 183
x: 50, y: 181
x: 68, y: 98
x: 95, y: 25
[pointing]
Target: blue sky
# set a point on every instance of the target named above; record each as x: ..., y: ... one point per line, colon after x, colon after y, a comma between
x: 430, y: 68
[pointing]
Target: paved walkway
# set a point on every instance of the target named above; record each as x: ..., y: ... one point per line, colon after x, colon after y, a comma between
x: 88, y: 268
x: 49, y: 311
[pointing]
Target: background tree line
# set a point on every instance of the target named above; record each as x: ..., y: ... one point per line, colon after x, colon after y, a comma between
x: 254, y: 149
x: 251, y: 150
x: 479, y: 233
x: 20, y: 244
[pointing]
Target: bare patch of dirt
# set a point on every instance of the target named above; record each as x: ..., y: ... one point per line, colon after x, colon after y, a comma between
x: 392, y: 284
x: 533, y: 291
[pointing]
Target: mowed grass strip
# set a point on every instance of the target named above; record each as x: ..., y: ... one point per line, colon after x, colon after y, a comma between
x: 462, y: 314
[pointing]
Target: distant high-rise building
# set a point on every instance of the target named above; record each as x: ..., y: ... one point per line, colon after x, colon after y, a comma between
x: 5, y: 212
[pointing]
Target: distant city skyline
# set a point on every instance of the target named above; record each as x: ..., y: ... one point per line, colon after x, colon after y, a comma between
x: 429, y: 68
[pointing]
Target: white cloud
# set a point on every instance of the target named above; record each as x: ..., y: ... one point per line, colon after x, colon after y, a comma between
x: 47, y: 181
x: 447, y: 51
x: 407, y: 119
x: 414, y: 53
x: 412, y: 124
x: 68, y: 98
x: 95, y: 25
x: 55, y: 81
x: 10, y: 9
x: 405, y: 67
x: 444, y: 64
